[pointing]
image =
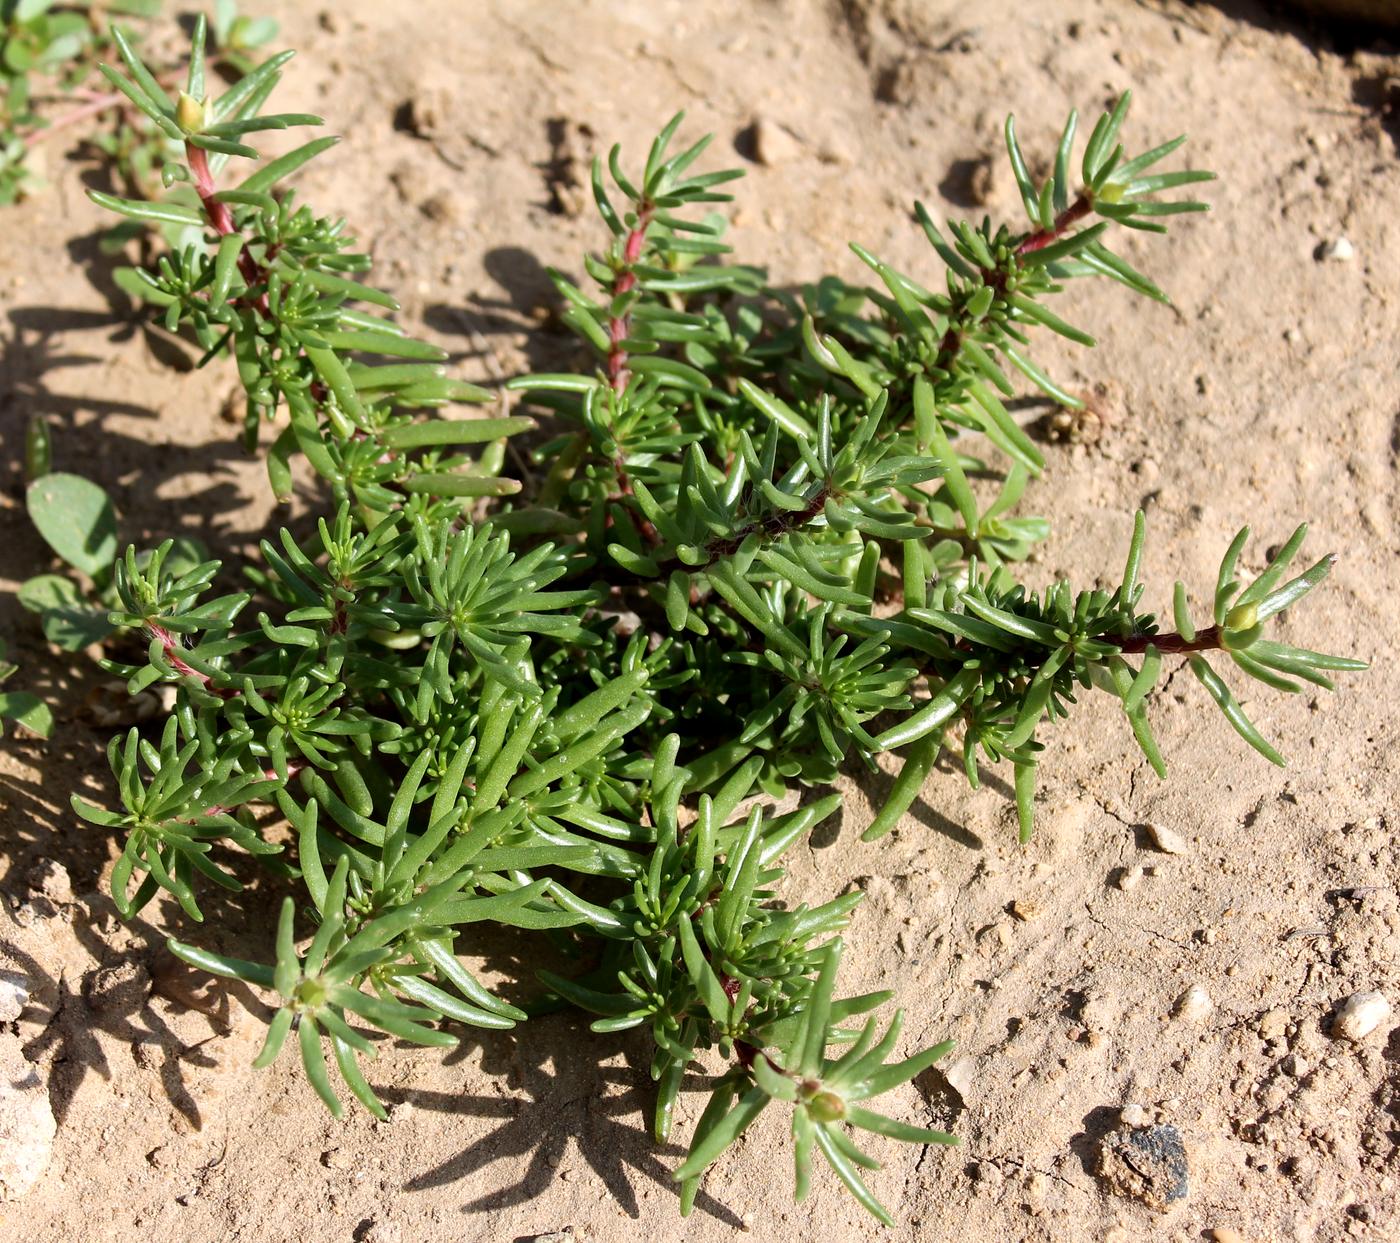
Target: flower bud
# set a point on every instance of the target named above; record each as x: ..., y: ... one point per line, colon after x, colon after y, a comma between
x: 1242, y: 617
x: 189, y: 113
x: 826, y: 1107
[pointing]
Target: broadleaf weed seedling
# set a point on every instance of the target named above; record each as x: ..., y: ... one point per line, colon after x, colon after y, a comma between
x: 569, y: 698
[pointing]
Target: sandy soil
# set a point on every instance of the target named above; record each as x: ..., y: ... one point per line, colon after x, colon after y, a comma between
x: 1269, y: 393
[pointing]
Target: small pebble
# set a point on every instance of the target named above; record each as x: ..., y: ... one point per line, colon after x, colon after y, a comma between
x: 772, y: 144
x: 51, y: 879
x: 1135, y: 1115
x: 1338, y: 250
x: 1130, y: 878
x: 988, y: 1173
x: 121, y: 987
x: 1193, y: 1005
x: 959, y: 1076
x: 441, y: 208
x: 400, y: 1113
x: 14, y: 995
x: 1168, y: 841
x: 1360, y: 1015
x: 1273, y: 1023
x: 27, y: 1126
x: 383, y: 1232
x: 1227, y: 1234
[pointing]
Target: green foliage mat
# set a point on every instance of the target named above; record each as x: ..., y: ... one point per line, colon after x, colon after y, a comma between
x: 764, y: 535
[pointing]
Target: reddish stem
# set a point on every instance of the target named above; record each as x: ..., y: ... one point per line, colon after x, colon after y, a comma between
x: 620, y: 325
x: 1066, y: 220
x: 170, y: 645
x: 99, y: 104
x: 221, y: 220
x: 293, y: 767
x: 772, y: 527
x: 1207, y: 640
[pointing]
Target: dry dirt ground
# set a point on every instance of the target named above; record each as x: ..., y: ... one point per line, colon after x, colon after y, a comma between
x: 1268, y: 393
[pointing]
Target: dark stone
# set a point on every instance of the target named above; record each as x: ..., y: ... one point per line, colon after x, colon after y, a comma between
x: 1147, y: 1164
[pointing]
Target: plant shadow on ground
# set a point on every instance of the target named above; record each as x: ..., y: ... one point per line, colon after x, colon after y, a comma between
x: 35, y: 351
x: 569, y: 1086
x: 602, y: 1107
x: 1309, y: 25
x: 73, y: 1014
x: 527, y: 315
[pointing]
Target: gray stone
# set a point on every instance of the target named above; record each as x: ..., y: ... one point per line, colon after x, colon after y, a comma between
x: 1146, y: 1164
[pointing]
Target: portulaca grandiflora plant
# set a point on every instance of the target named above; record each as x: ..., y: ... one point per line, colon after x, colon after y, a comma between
x: 759, y: 536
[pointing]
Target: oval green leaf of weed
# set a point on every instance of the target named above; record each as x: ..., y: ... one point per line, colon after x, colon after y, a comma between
x: 28, y: 710
x: 67, y: 618
x: 76, y: 519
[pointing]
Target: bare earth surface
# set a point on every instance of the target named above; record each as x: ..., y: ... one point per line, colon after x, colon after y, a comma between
x: 1269, y: 393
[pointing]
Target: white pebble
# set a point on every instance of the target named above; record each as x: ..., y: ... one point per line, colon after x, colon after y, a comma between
x: 14, y: 995
x: 1338, y: 250
x: 1135, y: 1115
x: 1130, y: 878
x: 1360, y: 1015
x: 1168, y: 841
x: 960, y: 1076
x: 27, y: 1124
x: 1193, y: 1005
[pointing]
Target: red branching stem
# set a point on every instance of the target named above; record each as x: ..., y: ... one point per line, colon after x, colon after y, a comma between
x: 269, y: 774
x: 619, y: 326
x: 221, y: 219
x: 1207, y: 640
x: 951, y: 344
x: 1071, y: 216
x: 98, y: 104
x: 94, y: 103
x: 170, y: 646
x: 772, y: 527
x: 748, y: 1054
